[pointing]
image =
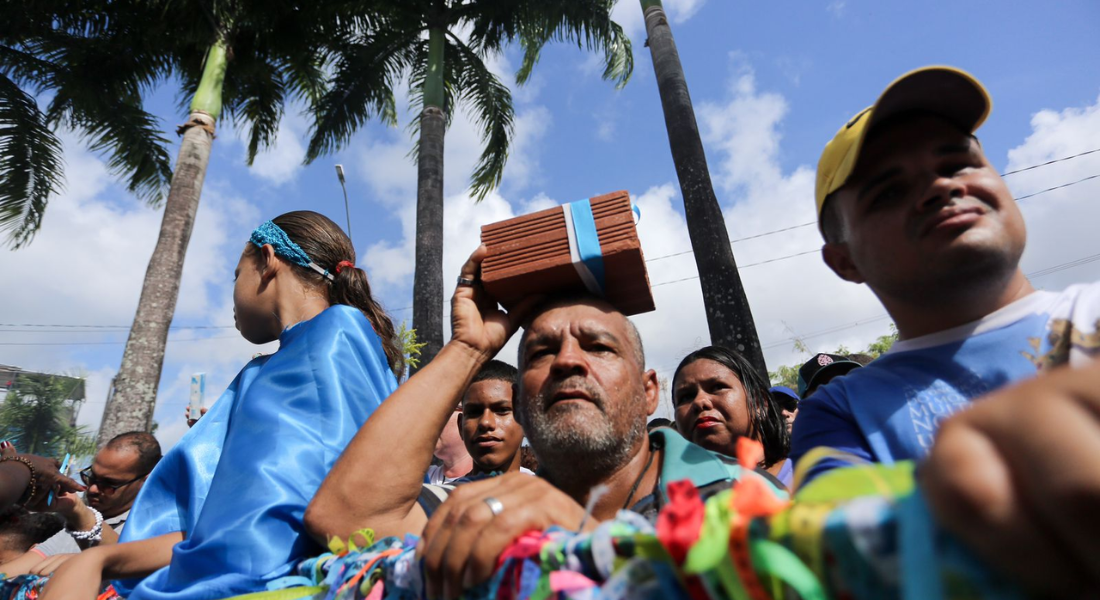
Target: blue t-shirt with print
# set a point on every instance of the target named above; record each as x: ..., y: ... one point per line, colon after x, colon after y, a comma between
x: 891, y: 409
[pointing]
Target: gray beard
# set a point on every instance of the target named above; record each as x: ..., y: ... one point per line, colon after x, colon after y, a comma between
x: 580, y: 444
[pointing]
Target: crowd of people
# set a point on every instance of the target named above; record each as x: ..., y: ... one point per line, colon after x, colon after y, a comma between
x: 318, y: 441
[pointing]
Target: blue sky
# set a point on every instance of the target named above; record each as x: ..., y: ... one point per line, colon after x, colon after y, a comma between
x: 771, y: 83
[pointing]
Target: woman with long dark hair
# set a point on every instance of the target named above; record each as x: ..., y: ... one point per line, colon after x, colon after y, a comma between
x: 718, y: 398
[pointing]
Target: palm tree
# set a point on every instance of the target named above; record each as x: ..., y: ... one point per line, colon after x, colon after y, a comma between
x: 35, y: 416
x: 70, y: 50
x: 442, y: 46
x: 729, y: 316
x: 247, y: 59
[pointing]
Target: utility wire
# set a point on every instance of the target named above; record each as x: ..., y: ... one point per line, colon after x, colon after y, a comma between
x: 1049, y: 162
x: 103, y: 342
x: 774, y: 231
x: 1033, y: 275
x: 98, y: 328
x: 1058, y: 187
x: 741, y: 239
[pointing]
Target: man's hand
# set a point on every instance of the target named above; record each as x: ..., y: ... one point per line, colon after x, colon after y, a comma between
x: 463, y: 539
x: 476, y: 322
x: 49, y: 478
x: 78, y: 517
x: 1017, y: 477
x: 187, y: 415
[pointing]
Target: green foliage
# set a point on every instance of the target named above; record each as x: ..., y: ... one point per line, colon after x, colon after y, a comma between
x: 787, y: 375
x: 409, y: 346
x: 35, y: 417
x: 883, y: 343
x: 97, y: 60
x: 370, y: 63
x: 93, y: 62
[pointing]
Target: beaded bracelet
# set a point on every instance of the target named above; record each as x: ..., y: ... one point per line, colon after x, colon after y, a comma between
x: 92, y: 535
x: 32, y: 484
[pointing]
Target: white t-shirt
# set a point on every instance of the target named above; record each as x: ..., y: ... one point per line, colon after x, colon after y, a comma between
x: 436, y: 475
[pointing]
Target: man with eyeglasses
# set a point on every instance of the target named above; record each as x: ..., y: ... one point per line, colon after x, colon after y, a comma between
x: 113, y: 481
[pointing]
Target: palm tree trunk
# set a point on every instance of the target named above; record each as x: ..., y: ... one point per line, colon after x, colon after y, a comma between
x: 729, y: 316
x: 131, y: 407
x: 428, y: 278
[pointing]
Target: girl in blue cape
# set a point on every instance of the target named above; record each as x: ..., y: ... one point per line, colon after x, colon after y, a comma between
x: 221, y: 515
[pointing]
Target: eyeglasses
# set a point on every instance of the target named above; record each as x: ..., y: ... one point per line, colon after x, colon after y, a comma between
x: 89, y: 478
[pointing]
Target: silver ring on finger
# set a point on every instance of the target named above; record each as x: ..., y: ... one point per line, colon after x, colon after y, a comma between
x: 495, y: 506
x: 466, y: 282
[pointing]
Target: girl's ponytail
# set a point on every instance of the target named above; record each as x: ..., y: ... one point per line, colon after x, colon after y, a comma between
x: 328, y: 247
x: 350, y: 287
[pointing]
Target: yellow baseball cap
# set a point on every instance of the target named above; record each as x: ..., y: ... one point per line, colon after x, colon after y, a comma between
x: 946, y: 91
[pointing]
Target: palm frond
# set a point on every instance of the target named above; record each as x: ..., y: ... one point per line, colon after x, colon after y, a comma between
x: 31, y: 168
x: 491, y: 102
x: 362, y: 87
x: 98, y: 92
x: 119, y: 127
x: 257, y: 98
x: 534, y: 23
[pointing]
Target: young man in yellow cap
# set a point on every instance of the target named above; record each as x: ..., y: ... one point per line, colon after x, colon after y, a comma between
x: 909, y: 204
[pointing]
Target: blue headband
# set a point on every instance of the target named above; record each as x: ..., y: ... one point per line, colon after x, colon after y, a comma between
x: 270, y: 233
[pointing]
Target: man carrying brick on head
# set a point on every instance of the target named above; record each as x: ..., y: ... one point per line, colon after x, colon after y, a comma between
x: 583, y: 398
x: 909, y: 204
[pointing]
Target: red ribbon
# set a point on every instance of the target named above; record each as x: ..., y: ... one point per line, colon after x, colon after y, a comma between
x: 342, y: 264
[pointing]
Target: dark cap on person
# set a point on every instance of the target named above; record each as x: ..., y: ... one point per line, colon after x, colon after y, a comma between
x: 784, y: 396
x: 822, y: 367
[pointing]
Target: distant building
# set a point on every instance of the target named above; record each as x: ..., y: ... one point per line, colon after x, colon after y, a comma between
x: 9, y: 378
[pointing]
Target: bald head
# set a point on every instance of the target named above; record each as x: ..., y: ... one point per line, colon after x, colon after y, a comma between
x: 633, y: 337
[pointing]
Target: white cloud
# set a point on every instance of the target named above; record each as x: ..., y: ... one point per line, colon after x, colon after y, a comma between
x: 87, y: 265
x: 836, y: 7
x: 794, y: 297
x: 628, y: 13
x: 282, y: 162
x: 1061, y: 223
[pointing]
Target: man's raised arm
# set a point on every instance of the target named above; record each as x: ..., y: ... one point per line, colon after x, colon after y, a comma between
x: 378, y: 478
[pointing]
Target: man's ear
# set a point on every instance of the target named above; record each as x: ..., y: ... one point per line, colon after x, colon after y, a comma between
x: 652, y: 391
x: 839, y: 260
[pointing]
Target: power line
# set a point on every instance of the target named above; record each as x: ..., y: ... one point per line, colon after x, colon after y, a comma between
x: 1049, y: 162
x: 119, y: 343
x: 1058, y: 187
x: 126, y: 327
x: 755, y: 264
x: 734, y: 241
x: 1033, y: 275
x: 807, y: 224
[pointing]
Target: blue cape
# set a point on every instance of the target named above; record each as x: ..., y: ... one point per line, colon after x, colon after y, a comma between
x: 280, y: 426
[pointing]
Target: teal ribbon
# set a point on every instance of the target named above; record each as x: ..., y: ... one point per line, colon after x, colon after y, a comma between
x: 584, y: 246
